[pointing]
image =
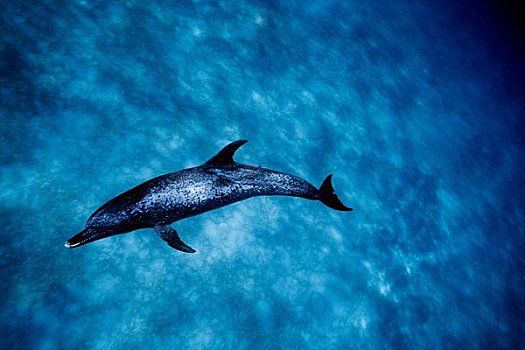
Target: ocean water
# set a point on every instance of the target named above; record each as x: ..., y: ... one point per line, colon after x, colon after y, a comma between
x: 416, y: 108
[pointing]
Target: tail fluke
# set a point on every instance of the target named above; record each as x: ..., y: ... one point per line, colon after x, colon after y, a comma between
x: 85, y: 236
x: 329, y: 198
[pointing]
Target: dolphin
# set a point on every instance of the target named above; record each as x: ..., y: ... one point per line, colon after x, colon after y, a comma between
x: 220, y: 181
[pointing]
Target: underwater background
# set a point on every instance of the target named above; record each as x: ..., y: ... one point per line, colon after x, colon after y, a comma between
x: 415, y: 107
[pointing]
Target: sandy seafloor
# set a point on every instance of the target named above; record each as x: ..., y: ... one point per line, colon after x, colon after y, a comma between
x: 417, y: 109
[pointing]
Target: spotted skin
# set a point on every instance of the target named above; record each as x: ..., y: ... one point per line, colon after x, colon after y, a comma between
x: 159, y: 202
x: 175, y: 196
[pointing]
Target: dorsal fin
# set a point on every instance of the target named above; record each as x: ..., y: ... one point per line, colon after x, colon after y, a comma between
x: 225, y: 155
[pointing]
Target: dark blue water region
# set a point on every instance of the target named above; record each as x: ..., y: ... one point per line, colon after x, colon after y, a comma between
x: 416, y: 108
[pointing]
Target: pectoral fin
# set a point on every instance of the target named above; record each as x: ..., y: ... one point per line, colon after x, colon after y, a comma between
x: 170, y: 235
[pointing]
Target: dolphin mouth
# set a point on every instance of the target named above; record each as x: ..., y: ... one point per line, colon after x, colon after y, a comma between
x: 85, y: 236
x: 79, y: 239
x: 71, y: 245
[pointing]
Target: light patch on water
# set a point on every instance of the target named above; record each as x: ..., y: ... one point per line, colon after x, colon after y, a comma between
x: 362, y: 321
x: 274, y: 216
x: 288, y: 286
x: 335, y: 234
x: 317, y: 283
x: 196, y: 32
x: 175, y: 141
x: 307, y: 97
x: 248, y: 285
x: 378, y: 280
x: 351, y: 315
x: 451, y: 211
x: 384, y: 288
x: 229, y: 237
x: 232, y: 134
x: 359, y: 317
x: 259, y: 20
x: 105, y: 283
x: 145, y: 173
x: 257, y: 98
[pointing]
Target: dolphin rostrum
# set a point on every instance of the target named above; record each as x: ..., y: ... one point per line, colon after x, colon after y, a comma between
x: 168, y: 198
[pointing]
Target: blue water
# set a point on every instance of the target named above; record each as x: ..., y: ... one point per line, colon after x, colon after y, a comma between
x: 417, y: 109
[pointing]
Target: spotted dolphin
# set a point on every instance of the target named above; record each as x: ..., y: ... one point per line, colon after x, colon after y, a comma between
x: 220, y: 181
